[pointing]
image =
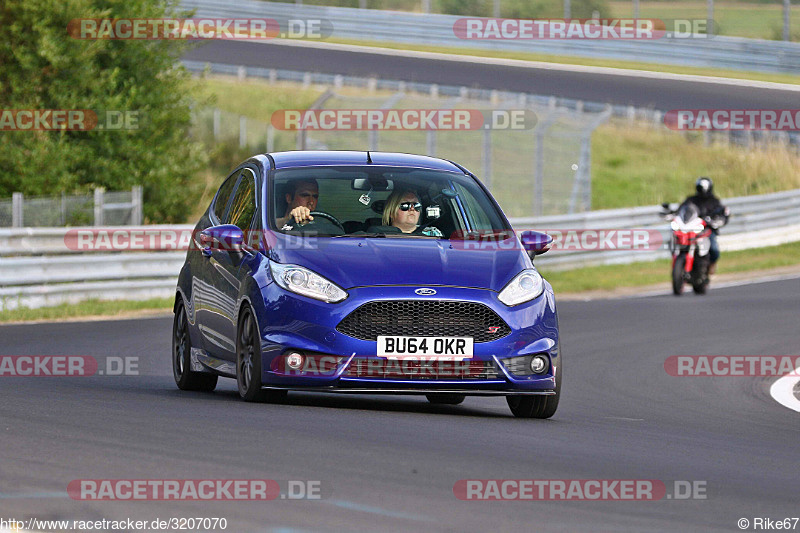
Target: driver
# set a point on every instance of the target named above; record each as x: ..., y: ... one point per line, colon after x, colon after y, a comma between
x: 301, y: 200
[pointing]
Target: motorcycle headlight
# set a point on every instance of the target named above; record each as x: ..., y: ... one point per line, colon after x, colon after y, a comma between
x: 674, y: 225
x: 525, y: 286
x: 303, y: 281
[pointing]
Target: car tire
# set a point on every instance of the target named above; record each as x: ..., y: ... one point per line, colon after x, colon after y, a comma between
x: 185, y: 378
x: 248, y: 362
x: 523, y: 406
x: 445, y: 398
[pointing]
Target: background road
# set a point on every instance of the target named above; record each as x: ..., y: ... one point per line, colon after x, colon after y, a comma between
x: 633, y: 89
x: 389, y: 463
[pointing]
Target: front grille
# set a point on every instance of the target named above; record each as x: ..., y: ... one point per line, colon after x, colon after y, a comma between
x: 424, y: 318
x: 363, y: 367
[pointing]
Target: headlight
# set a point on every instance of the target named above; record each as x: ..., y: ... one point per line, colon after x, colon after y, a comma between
x: 526, y: 286
x: 303, y: 281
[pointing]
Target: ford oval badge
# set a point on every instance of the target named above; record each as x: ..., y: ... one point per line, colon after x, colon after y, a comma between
x: 424, y: 291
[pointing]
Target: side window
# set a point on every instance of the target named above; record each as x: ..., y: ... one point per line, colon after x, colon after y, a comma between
x: 476, y: 209
x: 243, y: 206
x: 223, y: 195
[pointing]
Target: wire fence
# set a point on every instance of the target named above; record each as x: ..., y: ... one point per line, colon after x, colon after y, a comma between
x: 116, y: 208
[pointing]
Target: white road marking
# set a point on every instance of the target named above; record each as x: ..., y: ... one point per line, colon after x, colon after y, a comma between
x: 520, y: 63
x: 782, y: 391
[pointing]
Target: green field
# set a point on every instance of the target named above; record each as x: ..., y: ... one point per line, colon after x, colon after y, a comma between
x: 740, y: 19
x: 632, y: 164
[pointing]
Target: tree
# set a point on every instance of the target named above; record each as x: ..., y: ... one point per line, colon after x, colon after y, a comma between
x: 43, y: 67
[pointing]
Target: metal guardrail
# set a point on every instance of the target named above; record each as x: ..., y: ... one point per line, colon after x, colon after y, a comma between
x: 431, y: 29
x: 52, y: 276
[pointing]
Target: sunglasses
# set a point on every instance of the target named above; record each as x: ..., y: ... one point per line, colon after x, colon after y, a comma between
x: 405, y: 206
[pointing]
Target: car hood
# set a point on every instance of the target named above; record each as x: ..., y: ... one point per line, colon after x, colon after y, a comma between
x: 355, y: 262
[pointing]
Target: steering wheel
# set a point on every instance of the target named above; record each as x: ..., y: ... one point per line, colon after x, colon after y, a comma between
x: 328, y: 217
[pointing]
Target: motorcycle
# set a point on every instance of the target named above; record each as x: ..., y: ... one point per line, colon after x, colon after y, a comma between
x: 690, y: 245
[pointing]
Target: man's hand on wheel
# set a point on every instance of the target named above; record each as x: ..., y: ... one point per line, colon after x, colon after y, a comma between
x: 301, y: 215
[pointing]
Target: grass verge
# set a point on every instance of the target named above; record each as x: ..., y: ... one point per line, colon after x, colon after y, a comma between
x: 632, y: 163
x: 88, y: 308
x: 610, y: 277
x: 636, y: 165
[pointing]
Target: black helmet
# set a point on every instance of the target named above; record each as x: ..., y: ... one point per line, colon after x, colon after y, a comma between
x: 704, y: 186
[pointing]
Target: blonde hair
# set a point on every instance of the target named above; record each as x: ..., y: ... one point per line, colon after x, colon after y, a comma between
x: 393, y: 203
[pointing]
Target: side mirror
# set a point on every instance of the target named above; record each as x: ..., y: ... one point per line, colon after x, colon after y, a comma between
x: 226, y: 237
x: 665, y: 205
x: 535, y: 242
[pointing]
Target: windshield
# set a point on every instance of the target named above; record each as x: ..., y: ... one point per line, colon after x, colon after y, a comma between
x: 382, y: 202
x: 688, y: 212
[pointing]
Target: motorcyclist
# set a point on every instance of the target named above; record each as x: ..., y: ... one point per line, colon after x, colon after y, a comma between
x: 710, y: 208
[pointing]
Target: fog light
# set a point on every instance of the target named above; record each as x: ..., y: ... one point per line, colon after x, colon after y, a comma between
x: 294, y: 361
x: 539, y: 364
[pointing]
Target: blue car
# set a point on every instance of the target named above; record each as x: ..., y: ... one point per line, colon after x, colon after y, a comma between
x: 365, y: 272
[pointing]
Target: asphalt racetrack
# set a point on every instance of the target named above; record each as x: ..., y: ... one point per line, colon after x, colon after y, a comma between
x: 388, y: 463
x: 629, y: 89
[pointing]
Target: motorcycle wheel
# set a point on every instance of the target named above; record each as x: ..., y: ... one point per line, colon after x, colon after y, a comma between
x: 700, y: 275
x: 677, y: 274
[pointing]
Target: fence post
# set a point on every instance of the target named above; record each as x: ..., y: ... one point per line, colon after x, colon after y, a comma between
x: 63, y: 217
x: 137, y: 216
x: 487, y: 158
x: 270, y: 138
x: 787, y: 34
x: 242, y: 131
x: 98, y: 206
x: 710, y: 18
x: 372, y: 140
x: 17, y: 208
x: 216, y: 123
x: 431, y: 142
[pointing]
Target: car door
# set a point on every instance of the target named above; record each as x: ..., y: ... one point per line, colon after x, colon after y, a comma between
x: 207, y: 298
x: 224, y: 266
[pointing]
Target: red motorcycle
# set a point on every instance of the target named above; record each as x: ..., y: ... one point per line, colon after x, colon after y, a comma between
x: 690, y: 245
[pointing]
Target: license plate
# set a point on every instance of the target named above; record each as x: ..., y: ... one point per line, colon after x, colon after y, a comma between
x: 438, y: 348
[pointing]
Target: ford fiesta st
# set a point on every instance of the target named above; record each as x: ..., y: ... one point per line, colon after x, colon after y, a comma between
x: 365, y: 272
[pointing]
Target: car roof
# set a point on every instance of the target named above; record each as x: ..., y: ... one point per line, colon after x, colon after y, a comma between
x: 355, y: 158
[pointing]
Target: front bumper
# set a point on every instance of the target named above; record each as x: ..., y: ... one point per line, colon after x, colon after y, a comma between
x: 296, y: 323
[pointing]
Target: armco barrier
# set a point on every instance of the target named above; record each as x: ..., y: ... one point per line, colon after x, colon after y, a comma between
x: 432, y: 29
x: 37, y: 268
